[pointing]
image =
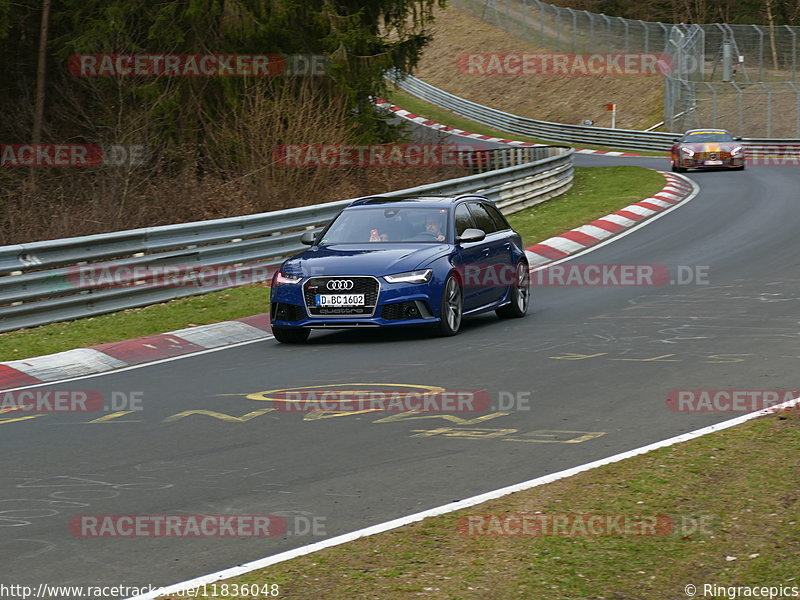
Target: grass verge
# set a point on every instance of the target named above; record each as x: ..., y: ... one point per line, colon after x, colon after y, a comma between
x: 441, y: 115
x: 596, y: 191
x: 135, y: 322
x: 733, y: 496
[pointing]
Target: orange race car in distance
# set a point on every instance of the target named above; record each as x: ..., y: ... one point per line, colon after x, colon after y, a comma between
x: 707, y: 148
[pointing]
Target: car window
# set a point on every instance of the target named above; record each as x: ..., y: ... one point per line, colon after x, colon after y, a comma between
x: 706, y: 136
x: 463, y: 219
x: 388, y: 223
x: 482, y: 218
x: 499, y: 220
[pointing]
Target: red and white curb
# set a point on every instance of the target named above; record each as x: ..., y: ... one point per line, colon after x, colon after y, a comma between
x: 581, y: 238
x: 401, y: 112
x: 107, y: 357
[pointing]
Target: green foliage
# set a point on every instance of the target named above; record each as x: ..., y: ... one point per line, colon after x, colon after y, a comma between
x: 361, y: 38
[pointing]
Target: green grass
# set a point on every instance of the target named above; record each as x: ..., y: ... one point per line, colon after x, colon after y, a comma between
x: 440, y: 115
x: 595, y: 192
x: 134, y: 322
x: 732, y: 497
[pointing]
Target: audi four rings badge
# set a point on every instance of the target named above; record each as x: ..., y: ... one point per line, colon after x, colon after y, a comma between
x: 340, y: 284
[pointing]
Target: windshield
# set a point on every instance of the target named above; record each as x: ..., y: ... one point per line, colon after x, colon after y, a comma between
x: 388, y: 224
x: 700, y: 137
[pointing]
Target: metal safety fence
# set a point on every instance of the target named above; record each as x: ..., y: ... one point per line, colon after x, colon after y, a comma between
x: 628, y: 139
x: 625, y: 139
x: 58, y: 280
x: 740, y: 77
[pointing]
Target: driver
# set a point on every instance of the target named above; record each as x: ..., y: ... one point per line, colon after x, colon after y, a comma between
x: 433, y: 224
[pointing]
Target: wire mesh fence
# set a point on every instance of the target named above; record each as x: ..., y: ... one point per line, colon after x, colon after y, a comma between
x: 745, y: 78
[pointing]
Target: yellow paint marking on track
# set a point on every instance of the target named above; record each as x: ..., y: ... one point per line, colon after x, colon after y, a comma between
x: 115, y: 415
x: 316, y: 415
x: 662, y: 358
x: 576, y: 356
x: 2, y: 421
x: 218, y: 415
x: 502, y: 434
x: 340, y: 389
x: 413, y: 416
x: 723, y: 361
x: 551, y: 433
x: 469, y: 434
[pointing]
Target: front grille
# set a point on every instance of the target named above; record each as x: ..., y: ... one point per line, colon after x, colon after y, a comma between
x: 712, y: 155
x: 282, y: 311
x: 360, y: 285
x: 397, y: 311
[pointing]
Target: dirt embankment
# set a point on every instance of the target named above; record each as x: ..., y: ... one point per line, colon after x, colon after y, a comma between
x: 565, y: 99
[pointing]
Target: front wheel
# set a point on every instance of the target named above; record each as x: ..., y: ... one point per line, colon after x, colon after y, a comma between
x: 290, y: 335
x: 452, y: 308
x: 520, y: 294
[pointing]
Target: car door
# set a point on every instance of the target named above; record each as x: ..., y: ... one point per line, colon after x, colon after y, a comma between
x: 496, y: 249
x: 471, y: 261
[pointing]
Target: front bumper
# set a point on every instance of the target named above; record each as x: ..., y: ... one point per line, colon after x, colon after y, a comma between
x: 397, y: 304
x: 702, y: 162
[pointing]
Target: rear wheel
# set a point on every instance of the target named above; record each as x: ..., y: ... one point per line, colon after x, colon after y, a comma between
x: 520, y: 295
x: 452, y: 308
x: 290, y: 335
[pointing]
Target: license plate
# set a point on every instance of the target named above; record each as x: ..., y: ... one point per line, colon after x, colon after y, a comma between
x: 713, y: 162
x: 340, y: 299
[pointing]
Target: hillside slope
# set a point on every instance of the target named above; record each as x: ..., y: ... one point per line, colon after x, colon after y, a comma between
x: 563, y: 99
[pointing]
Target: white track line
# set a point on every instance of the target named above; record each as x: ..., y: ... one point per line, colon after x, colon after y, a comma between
x: 440, y: 510
x: 466, y: 503
x: 267, y: 336
x: 454, y: 506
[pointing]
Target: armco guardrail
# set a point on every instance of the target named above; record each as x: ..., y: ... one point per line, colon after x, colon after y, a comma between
x: 573, y: 134
x: 65, y: 279
x: 626, y: 139
x: 481, y: 161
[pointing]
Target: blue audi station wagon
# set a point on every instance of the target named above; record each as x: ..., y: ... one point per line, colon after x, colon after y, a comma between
x: 410, y: 261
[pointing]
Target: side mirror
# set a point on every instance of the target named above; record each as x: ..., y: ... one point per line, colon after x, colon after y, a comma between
x: 677, y: 140
x: 738, y: 138
x: 471, y: 235
x: 308, y: 238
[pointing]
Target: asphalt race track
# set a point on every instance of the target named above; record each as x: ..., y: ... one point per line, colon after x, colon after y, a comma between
x: 596, y: 362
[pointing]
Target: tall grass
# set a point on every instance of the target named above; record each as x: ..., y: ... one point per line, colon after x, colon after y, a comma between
x: 229, y: 170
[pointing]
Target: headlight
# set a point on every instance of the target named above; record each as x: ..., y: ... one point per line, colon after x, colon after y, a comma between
x: 423, y: 276
x: 284, y: 279
x: 737, y: 150
x: 687, y: 151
